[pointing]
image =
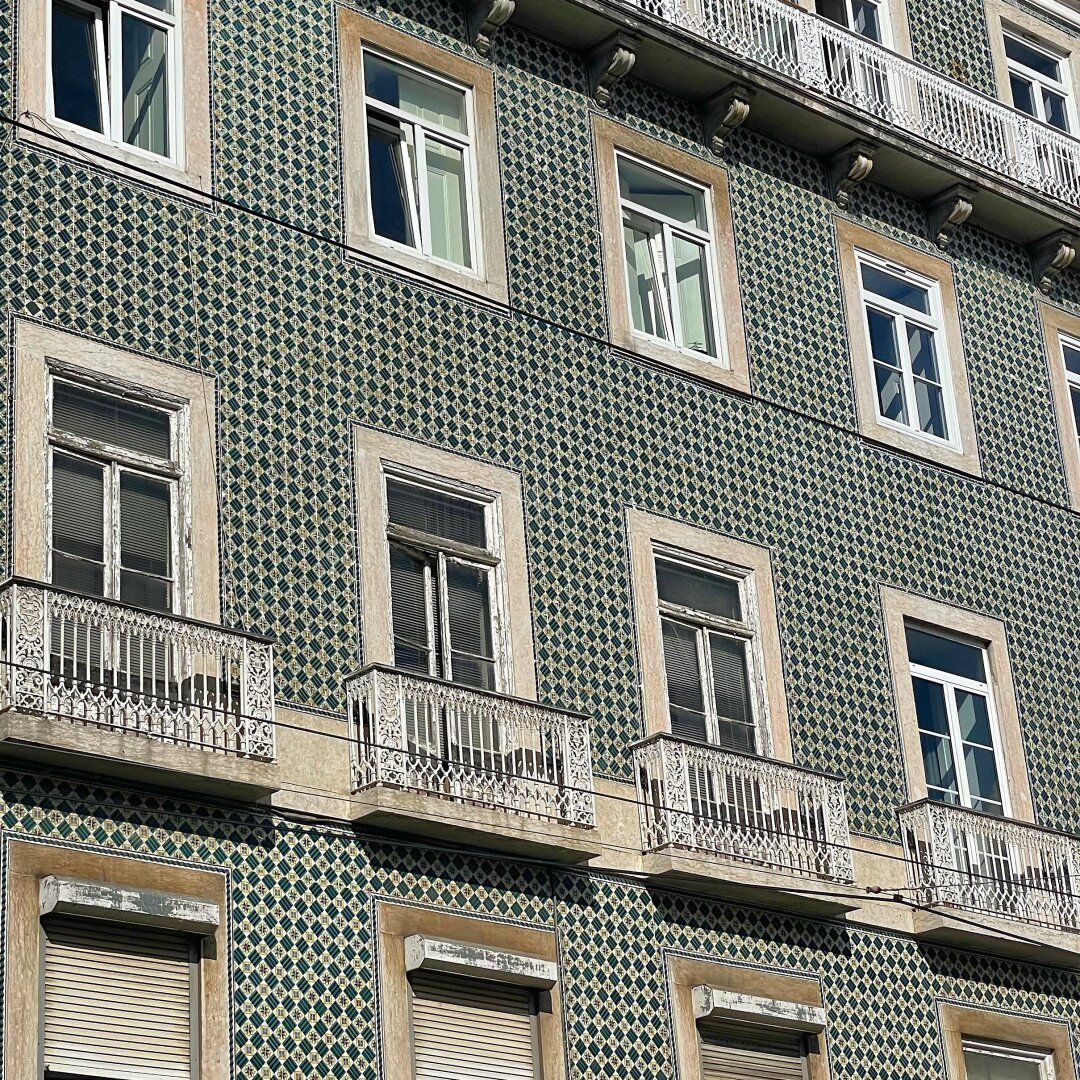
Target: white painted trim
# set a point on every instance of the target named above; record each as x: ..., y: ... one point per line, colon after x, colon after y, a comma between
x: 479, y: 961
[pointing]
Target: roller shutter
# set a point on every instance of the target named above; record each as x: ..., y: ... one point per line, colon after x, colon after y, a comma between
x: 118, y: 1001
x: 469, y: 1029
x: 742, y: 1052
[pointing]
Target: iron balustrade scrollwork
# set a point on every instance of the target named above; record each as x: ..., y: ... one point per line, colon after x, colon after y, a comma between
x: 753, y: 809
x: 92, y: 662
x: 833, y: 61
x: 991, y: 865
x: 421, y: 734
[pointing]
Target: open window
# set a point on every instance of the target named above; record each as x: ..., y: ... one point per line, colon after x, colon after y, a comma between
x: 982, y: 1044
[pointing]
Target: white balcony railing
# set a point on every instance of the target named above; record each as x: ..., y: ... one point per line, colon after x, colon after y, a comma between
x: 445, y: 739
x: 991, y: 865
x: 831, y: 60
x: 742, y: 807
x: 97, y: 663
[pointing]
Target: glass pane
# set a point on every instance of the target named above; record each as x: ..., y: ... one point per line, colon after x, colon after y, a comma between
x: 1072, y: 357
x: 77, y: 574
x: 448, y: 204
x: 76, y: 92
x: 1035, y: 59
x: 145, y: 525
x: 698, y: 589
x: 141, y: 590
x: 930, y: 706
x: 1054, y: 109
x: 408, y: 608
x: 945, y: 654
x: 78, y: 525
x: 923, y: 353
x: 883, y: 344
x: 111, y: 420
x: 982, y: 778
x: 939, y: 768
x: 890, y: 389
x: 423, y: 98
x: 974, y: 716
x: 1074, y: 394
x: 930, y: 403
x: 897, y: 289
x: 692, y: 281
x: 654, y: 191
x: 687, y: 705
x: 1023, y: 94
x: 642, y: 281
x: 988, y: 1065
x: 145, y: 86
x: 469, y: 616
x: 436, y: 513
x: 865, y: 19
x: 391, y: 202
x: 731, y: 690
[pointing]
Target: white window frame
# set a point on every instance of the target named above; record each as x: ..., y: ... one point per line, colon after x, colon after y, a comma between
x: 1043, y: 1058
x: 1062, y: 86
x: 110, y: 72
x: 934, y: 322
x: 663, y: 258
x: 884, y: 14
x: 491, y: 559
x: 748, y: 630
x: 117, y: 460
x: 416, y: 176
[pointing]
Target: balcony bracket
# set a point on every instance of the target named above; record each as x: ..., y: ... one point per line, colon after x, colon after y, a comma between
x: 1050, y: 256
x: 485, y: 17
x: 848, y: 168
x: 610, y: 62
x: 724, y: 112
x: 948, y: 211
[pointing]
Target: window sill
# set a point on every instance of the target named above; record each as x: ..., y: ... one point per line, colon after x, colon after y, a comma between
x: 940, y: 453
x: 690, y: 363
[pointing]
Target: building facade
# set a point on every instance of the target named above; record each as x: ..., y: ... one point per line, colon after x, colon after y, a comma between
x: 541, y: 539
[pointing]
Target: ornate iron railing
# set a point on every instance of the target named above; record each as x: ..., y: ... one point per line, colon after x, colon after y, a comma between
x: 441, y: 738
x: 98, y: 663
x: 834, y: 61
x: 991, y: 865
x: 742, y: 807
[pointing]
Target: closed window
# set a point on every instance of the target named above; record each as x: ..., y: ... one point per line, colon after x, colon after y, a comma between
x: 1039, y: 80
x: 667, y: 238
x: 420, y: 160
x: 957, y: 721
x: 1070, y: 358
x: 709, y: 625
x: 113, y: 70
x: 994, y: 1061
x: 740, y: 1051
x: 119, y: 1001
x: 867, y: 18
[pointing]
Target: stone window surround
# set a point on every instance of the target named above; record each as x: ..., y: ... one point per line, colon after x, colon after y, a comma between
x: 355, y: 32
x: 732, y: 367
x: 27, y: 863
x: 373, y: 451
x: 108, y: 365
x: 397, y: 922
x: 192, y: 168
x: 900, y: 607
x: 1055, y: 323
x: 684, y: 973
x: 1000, y: 14
x: 958, y: 1021
x: 646, y: 530
x: 851, y: 237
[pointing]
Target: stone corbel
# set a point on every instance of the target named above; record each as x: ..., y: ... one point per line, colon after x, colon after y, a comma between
x: 724, y: 112
x: 947, y: 211
x: 485, y: 17
x: 609, y: 62
x: 1051, y: 255
x: 848, y: 168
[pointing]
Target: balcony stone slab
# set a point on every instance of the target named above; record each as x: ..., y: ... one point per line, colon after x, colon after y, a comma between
x: 1002, y: 937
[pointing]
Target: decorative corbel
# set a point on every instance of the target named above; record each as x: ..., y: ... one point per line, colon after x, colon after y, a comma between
x: 1051, y: 255
x: 609, y: 62
x: 485, y: 17
x: 947, y: 211
x: 848, y: 168
x: 724, y: 112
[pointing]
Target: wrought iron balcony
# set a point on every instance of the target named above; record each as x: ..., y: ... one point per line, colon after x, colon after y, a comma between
x: 743, y: 807
x: 823, y: 57
x: 420, y: 734
x: 95, y: 663
x: 991, y: 865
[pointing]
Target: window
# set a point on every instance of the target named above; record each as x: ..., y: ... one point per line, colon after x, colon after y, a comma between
x: 1061, y: 332
x: 420, y: 155
x: 957, y: 721
x: 733, y: 1051
x: 867, y: 18
x: 907, y: 354
x: 668, y: 242
x: 708, y: 620
x: 1070, y: 356
x: 669, y: 253
x: 990, y: 1061
x: 1039, y: 81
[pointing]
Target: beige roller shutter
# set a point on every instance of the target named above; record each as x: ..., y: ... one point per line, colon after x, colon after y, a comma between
x: 469, y: 1029
x: 741, y: 1052
x: 118, y: 1001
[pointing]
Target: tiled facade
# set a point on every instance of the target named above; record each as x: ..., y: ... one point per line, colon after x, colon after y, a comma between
x: 305, y: 341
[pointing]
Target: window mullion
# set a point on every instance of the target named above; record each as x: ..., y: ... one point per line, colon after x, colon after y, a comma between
x: 115, y: 76
x: 708, y: 695
x: 443, y: 614
x: 430, y: 616
x: 420, y: 141
x: 908, y: 373
x: 957, y: 744
x: 672, y: 285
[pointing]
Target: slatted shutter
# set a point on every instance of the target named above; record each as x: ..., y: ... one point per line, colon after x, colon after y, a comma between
x: 743, y: 1052
x: 469, y: 1029
x: 118, y: 1001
